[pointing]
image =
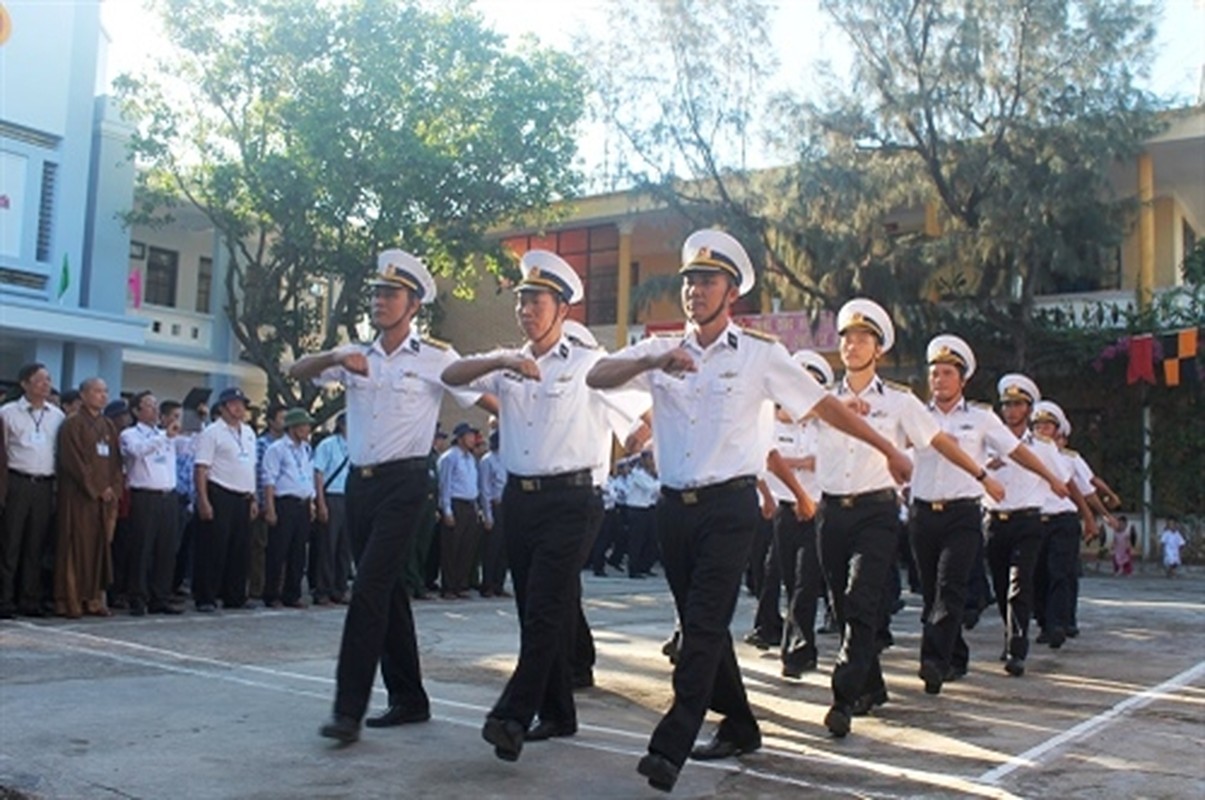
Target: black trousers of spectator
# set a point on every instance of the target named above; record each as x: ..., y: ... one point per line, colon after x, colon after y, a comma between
x: 583, y: 655
x: 284, y: 559
x: 154, y: 535
x: 1055, y: 574
x: 945, y: 543
x: 705, y: 540
x: 330, y: 552
x: 607, y: 539
x: 796, y: 544
x: 187, y: 522
x: 493, y: 552
x: 379, y: 627
x: 1012, y: 555
x: 458, y: 547
x: 27, y: 511
x: 221, y: 549
x: 642, y: 539
x: 858, y: 551
x: 767, y: 620
x: 545, y: 547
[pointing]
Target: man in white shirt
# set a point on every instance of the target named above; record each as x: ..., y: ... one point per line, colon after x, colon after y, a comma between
x: 393, y: 395
x: 289, y: 490
x: 31, y: 427
x: 707, y: 386
x: 149, y: 453
x: 643, y: 491
x: 459, y: 487
x: 226, y: 505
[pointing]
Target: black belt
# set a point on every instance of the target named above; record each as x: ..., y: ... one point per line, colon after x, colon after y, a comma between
x: 156, y: 492
x: 31, y: 478
x: 385, y: 468
x: 280, y: 498
x: 1060, y: 515
x: 579, y: 479
x: 861, y: 499
x: 786, y: 503
x: 1016, y: 513
x: 946, y: 505
x: 690, y: 497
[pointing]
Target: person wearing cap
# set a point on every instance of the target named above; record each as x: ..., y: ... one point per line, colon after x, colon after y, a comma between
x: 860, y: 525
x: 30, y: 425
x: 89, y: 486
x: 224, y: 470
x: 289, y: 491
x: 393, y: 392
x: 330, y: 551
x: 1014, y: 534
x: 946, y: 524
x: 707, y: 386
x: 794, y: 533
x: 149, y: 454
x: 549, y: 422
x: 459, y: 492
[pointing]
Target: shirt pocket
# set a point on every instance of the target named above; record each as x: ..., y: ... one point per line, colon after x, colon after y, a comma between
x: 557, y: 400
x: 726, y: 398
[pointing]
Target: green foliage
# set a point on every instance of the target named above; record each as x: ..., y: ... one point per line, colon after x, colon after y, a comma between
x: 314, y: 134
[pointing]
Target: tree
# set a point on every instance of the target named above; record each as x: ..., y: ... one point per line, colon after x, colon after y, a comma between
x: 314, y: 134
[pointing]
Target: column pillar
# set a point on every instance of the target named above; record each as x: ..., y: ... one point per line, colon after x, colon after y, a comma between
x: 623, y: 294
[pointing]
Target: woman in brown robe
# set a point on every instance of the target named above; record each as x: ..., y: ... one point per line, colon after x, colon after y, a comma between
x: 89, y: 483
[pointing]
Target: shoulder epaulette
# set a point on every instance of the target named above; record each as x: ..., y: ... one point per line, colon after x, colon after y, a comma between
x: 438, y: 344
x: 576, y: 342
x: 899, y: 387
x: 1068, y: 451
x: 762, y: 335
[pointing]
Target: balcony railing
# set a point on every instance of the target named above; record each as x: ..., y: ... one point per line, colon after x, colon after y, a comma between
x: 171, y: 326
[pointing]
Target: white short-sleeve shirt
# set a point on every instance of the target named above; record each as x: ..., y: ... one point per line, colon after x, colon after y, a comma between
x: 978, y: 432
x: 229, y: 453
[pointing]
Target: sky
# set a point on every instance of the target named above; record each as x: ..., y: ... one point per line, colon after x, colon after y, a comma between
x: 802, y: 35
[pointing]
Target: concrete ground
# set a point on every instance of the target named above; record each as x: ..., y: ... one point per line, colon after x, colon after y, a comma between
x: 228, y: 705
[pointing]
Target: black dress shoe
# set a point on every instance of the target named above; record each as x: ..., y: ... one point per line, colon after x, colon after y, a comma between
x: 719, y: 748
x: 137, y: 609
x: 796, y: 669
x: 863, y: 705
x: 1072, y: 631
x: 1015, y: 666
x: 761, y: 641
x: 505, y: 735
x: 398, y: 715
x: 547, y: 729
x: 954, y: 673
x: 660, y: 771
x: 1043, y: 637
x: 342, y: 729
x: 932, y: 675
x: 838, y: 720
x: 1056, y: 637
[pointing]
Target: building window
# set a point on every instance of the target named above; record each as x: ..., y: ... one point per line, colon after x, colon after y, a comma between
x: 50, y: 172
x: 594, y: 253
x: 204, y: 284
x: 161, y: 270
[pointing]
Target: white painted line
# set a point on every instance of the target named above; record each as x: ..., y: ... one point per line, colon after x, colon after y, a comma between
x: 1031, y: 756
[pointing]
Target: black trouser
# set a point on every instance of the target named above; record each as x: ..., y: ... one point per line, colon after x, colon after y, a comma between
x: 979, y: 592
x: 858, y: 550
x: 1012, y: 554
x: 222, y: 548
x: 187, y: 522
x: 545, y: 548
x: 493, y: 552
x: 379, y: 627
x: 607, y: 537
x: 458, y: 546
x: 767, y: 620
x: 151, y: 547
x: 330, y: 551
x: 284, y: 559
x: 1058, y: 562
x: 582, y: 655
x: 642, y: 539
x: 796, y: 545
x: 704, y: 548
x: 28, y: 505
x: 945, y: 543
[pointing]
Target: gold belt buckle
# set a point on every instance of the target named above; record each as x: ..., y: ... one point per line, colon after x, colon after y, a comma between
x: 365, y: 472
x: 938, y: 506
x: 847, y: 501
x: 1002, y: 516
x: 529, y: 485
x: 690, y: 498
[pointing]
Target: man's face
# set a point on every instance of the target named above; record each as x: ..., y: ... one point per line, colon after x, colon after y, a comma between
x: 171, y: 418
x: 945, y: 382
x: 235, y: 410
x: 37, y: 386
x: 95, y: 396
x: 538, y: 313
x: 440, y: 443
x: 276, y: 423
x: 859, y: 349
x: 147, y: 410
x: 1014, y: 412
x: 301, y: 433
x: 705, y: 295
x: 391, y: 305
x: 1047, y: 430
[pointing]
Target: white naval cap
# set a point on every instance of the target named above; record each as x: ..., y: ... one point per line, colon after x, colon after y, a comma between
x: 398, y: 268
x: 947, y: 348
x: 863, y: 314
x: 545, y: 271
x: 710, y: 250
x: 1015, y: 386
x: 1049, y: 411
x: 579, y: 332
x: 815, y: 364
